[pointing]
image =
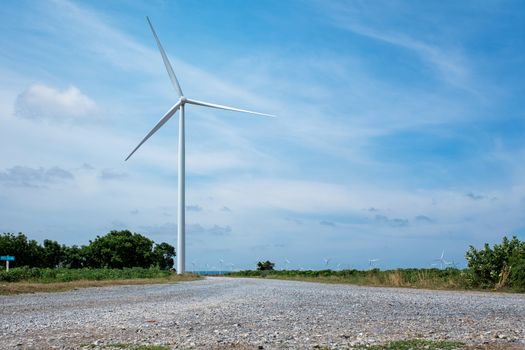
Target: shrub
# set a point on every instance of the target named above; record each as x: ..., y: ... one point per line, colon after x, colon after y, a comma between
x: 490, y: 267
x: 517, y: 272
x: 265, y: 265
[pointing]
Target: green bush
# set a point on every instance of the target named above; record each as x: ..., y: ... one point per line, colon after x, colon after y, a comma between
x: 517, y: 272
x: 494, y: 267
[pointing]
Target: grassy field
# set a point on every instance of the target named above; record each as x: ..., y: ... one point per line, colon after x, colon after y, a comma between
x: 409, y: 278
x: 31, y: 280
x: 417, y: 344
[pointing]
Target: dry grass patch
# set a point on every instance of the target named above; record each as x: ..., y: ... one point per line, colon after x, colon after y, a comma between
x: 35, y: 287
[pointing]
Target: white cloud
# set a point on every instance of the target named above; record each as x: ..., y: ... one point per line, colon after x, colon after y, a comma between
x: 40, y: 101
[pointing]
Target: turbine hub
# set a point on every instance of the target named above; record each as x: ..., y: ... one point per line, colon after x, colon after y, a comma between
x: 183, y: 99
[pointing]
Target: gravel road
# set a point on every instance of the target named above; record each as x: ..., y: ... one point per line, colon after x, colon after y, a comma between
x: 221, y: 313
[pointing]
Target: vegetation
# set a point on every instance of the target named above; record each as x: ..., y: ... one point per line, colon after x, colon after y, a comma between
x: 265, y: 265
x: 417, y: 344
x: 119, y: 257
x: 125, y: 255
x: 51, y: 286
x: 128, y: 346
x: 498, y: 267
x: 501, y: 267
x: 449, y: 278
x: 47, y: 275
x: 117, y: 249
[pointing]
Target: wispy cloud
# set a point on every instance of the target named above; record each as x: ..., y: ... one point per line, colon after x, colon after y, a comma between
x: 394, y: 222
x: 448, y: 62
x: 214, y: 230
x: 327, y: 223
x: 24, y: 176
x: 194, y: 207
x: 423, y: 218
x: 110, y: 174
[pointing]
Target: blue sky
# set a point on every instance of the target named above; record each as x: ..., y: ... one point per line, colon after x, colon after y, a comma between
x: 399, y: 132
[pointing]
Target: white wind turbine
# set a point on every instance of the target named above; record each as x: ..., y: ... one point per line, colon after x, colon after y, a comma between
x: 286, y: 263
x: 371, y: 263
x: 441, y: 259
x: 181, y: 103
x: 327, y: 261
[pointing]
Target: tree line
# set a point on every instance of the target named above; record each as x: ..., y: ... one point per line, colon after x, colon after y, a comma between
x: 116, y: 249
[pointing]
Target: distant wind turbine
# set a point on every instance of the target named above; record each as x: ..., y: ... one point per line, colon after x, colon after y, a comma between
x: 327, y: 261
x: 441, y: 259
x: 180, y: 105
x: 286, y: 263
x: 371, y: 263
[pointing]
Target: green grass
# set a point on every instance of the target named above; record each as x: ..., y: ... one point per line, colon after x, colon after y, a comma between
x: 416, y: 344
x: 410, y: 278
x: 128, y: 346
x: 48, y: 275
x: 139, y: 347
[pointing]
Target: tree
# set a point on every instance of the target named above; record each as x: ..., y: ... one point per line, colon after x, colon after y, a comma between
x: 265, y: 265
x: 74, y: 257
x: 53, y: 254
x: 26, y: 252
x: 119, y: 249
x: 163, y: 255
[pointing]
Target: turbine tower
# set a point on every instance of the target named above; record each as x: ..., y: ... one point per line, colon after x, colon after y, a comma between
x: 180, y: 105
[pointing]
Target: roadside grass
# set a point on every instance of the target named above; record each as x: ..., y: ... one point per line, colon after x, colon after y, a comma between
x: 447, y: 279
x: 417, y: 344
x: 35, y: 286
x: 127, y: 346
x: 47, y: 275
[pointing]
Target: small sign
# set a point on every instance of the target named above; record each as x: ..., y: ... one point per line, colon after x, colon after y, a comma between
x: 7, y: 258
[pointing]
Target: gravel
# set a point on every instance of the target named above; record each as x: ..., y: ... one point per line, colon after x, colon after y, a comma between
x: 223, y: 313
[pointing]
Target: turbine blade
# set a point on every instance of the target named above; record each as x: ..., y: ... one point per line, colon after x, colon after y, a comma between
x: 167, y: 63
x: 161, y: 122
x: 213, y: 105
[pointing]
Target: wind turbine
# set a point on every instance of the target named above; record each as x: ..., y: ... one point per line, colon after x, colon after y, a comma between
x: 327, y: 261
x: 286, y: 263
x: 441, y: 259
x: 371, y: 262
x: 179, y: 105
